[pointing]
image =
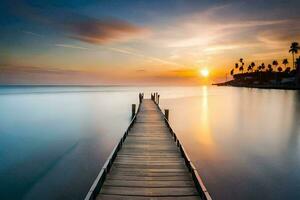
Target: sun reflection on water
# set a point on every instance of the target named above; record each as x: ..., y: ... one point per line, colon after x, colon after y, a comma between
x: 205, y: 136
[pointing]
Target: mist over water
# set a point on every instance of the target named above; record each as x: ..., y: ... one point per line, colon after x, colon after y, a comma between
x: 54, y: 140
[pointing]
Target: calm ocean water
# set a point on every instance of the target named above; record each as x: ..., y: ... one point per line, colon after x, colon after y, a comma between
x: 54, y: 140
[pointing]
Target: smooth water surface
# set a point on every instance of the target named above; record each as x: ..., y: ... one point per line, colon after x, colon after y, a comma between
x: 244, y: 142
x: 54, y: 140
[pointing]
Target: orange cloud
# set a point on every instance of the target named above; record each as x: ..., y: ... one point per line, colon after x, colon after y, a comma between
x: 101, y: 31
x: 80, y: 27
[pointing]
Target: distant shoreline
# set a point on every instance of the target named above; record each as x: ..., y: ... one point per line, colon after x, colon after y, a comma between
x: 262, y: 86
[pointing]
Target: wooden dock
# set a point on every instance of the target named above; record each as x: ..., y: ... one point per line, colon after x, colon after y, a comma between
x: 148, y: 163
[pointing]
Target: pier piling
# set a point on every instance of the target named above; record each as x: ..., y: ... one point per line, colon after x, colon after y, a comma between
x: 133, y: 110
x: 167, y: 114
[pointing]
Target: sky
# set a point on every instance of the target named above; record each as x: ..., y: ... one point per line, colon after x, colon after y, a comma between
x: 140, y: 42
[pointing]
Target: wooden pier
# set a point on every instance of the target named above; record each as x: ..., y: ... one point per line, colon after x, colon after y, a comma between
x: 148, y: 163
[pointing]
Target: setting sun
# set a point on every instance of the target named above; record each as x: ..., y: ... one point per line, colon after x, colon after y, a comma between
x: 204, y: 72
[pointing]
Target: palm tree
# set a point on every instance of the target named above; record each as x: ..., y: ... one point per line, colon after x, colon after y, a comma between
x: 249, y: 68
x: 294, y: 50
x: 279, y: 69
x: 252, y: 65
x: 285, y: 62
x: 298, y: 71
x: 287, y: 70
x: 270, y: 69
x: 275, y: 63
x: 263, y: 66
x: 241, y: 60
x: 241, y: 69
x: 259, y: 68
x: 297, y: 64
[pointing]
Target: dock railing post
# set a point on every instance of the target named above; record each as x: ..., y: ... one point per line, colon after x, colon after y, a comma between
x: 158, y: 99
x: 167, y: 114
x: 141, y: 97
x: 133, y: 108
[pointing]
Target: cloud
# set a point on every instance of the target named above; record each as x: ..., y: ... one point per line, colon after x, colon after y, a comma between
x: 18, y: 74
x: 218, y: 25
x: 70, y: 46
x: 101, y: 31
x: 36, y: 70
x: 141, y: 70
x: 179, y: 76
x: 32, y: 33
x: 213, y: 49
x: 88, y: 29
x: 281, y: 35
x: 146, y: 57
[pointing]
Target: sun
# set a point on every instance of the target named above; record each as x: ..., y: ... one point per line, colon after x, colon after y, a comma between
x: 204, y: 72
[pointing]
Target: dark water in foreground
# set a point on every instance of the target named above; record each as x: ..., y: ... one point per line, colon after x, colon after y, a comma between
x: 54, y: 140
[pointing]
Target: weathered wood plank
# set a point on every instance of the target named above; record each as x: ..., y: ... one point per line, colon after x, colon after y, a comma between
x: 148, y: 162
x: 149, y: 184
x: 156, y: 192
x: 168, y: 177
x: 118, y: 197
x: 140, y: 170
x: 149, y: 174
x: 150, y: 156
x: 146, y: 166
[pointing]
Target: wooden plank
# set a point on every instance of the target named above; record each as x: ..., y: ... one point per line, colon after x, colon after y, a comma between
x: 148, y: 162
x: 149, y: 174
x: 168, y: 177
x: 146, y: 166
x: 151, y: 156
x: 139, y: 170
x: 149, y: 184
x: 155, y: 192
x: 118, y: 197
x: 148, y: 153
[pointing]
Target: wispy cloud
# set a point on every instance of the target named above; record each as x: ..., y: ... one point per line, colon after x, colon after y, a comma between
x: 37, y: 70
x: 70, y: 46
x: 27, y: 74
x: 81, y: 27
x: 212, y: 49
x: 140, y: 55
x: 32, y: 33
x: 210, y: 27
x: 102, y: 31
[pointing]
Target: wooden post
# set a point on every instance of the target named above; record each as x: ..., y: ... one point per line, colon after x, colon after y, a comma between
x: 158, y: 99
x: 141, y: 96
x: 167, y: 114
x: 133, y: 106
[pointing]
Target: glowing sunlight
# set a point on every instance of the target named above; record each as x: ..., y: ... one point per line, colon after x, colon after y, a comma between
x: 204, y: 72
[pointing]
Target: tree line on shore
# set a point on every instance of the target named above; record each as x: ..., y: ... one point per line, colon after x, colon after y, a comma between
x: 272, y: 67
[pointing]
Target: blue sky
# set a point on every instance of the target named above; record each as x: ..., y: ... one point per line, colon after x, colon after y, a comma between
x: 139, y: 42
